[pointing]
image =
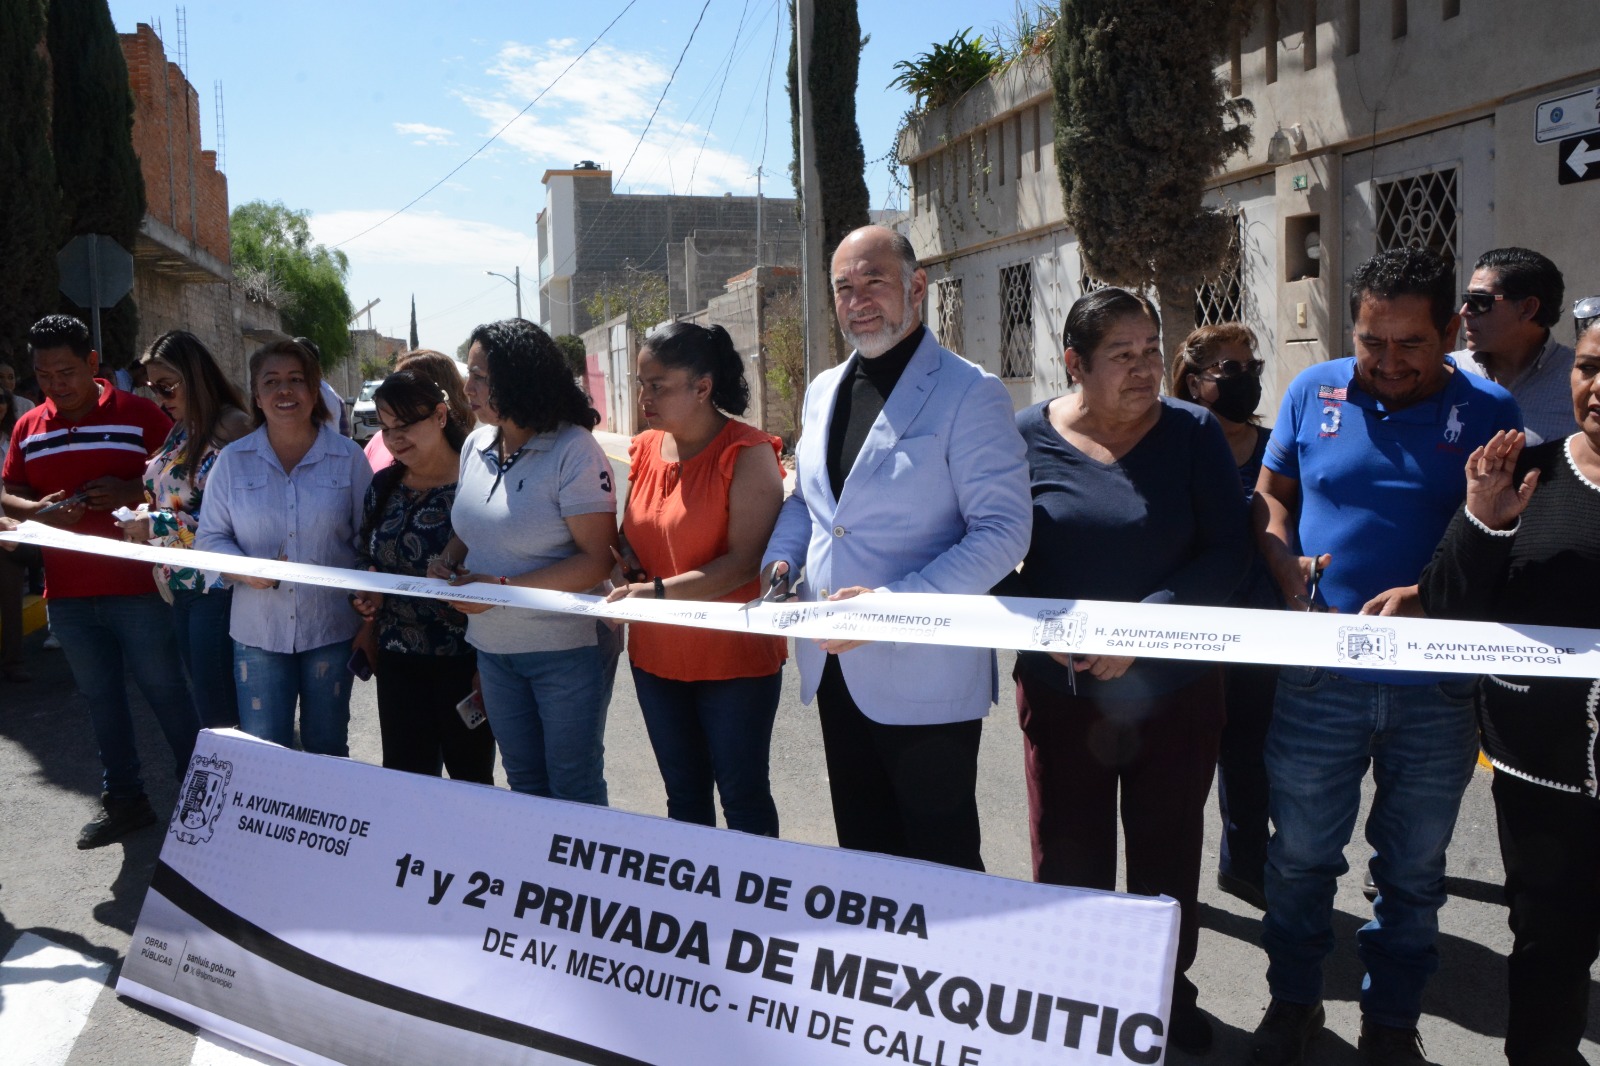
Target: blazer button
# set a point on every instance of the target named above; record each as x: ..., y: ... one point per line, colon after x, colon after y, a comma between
x: 838, y: 531
x: 822, y: 594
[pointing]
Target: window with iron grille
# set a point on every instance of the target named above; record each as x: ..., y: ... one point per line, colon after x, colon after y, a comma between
x: 1222, y: 298
x: 1421, y: 211
x: 1016, y: 321
x: 951, y: 314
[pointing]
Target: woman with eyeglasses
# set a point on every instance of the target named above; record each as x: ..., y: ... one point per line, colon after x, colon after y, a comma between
x: 704, y: 493
x: 1135, y: 498
x: 1217, y: 369
x: 442, y: 371
x: 535, y: 507
x: 292, y: 490
x: 207, y: 413
x: 1524, y: 550
x: 420, y: 654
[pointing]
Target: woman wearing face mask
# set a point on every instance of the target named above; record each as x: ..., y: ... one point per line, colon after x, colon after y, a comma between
x: 1217, y: 368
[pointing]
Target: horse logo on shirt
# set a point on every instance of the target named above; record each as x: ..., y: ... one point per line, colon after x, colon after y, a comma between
x: 1453, y: 425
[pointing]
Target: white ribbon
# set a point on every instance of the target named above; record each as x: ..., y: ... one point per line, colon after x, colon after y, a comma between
x: 1079, y: 627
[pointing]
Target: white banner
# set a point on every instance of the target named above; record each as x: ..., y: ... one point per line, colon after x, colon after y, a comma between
x: 324, y: 910
x: 1081, y: 627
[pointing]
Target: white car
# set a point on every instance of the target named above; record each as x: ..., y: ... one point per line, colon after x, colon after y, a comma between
x: 364, y: 419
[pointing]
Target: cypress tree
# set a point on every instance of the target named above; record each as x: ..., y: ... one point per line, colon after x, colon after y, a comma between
x: 102, y: 188
x: 841, y: 161
x: 1142, y: 122
x: 414, y: 344
x: 833, y: 74
x: 30, y: 204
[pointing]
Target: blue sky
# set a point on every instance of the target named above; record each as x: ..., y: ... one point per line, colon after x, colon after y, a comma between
x: 351, y: 109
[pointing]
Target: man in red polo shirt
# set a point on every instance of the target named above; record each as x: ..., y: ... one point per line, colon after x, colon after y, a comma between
x: 85, y: 448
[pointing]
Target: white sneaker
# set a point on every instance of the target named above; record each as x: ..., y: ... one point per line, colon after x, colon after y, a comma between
x: 51, y: 642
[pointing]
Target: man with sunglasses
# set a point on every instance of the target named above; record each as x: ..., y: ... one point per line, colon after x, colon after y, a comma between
x: 1510, y: 304
x: 1360, y: 478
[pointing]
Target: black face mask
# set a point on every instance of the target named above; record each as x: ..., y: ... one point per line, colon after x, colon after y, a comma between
x: 1237, y: 397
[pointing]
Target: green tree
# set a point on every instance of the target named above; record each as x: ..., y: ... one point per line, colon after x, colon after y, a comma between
x: 414, y: 344
x: 102, y: 189
x: 1142, y: 122
x: 641, y: 294
x: 276, y: 261
x: 571, y: 346
x: 783, y: 339
x: 30, y: 201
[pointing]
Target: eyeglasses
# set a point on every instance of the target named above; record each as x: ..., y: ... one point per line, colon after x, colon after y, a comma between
x: 1231, y: 368
x: 1586, y: 308
x: 167, y: 391
x: 1481, y: 303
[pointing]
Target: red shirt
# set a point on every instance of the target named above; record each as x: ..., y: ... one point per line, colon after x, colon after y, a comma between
x: 50, y: 454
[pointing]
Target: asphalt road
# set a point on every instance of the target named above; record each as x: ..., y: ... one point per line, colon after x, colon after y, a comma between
x: 88, y: 901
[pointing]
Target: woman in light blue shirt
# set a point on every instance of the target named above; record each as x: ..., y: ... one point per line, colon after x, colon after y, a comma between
x: 291, y: 490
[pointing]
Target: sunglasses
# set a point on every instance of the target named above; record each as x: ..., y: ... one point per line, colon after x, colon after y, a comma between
x: 166, y: 392
x: 1481, y: 303
x: 1231, y: 368
x: 1586, y: 308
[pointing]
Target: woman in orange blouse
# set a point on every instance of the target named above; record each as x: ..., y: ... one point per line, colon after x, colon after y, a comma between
x: 704, y: 495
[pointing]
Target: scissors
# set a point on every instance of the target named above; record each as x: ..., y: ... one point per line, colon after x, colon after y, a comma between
x: 1310, y: 598
x: 772, y: 595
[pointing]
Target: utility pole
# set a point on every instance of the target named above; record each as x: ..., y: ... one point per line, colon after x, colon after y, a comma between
x: 814, y: 274
x: 515, y: 281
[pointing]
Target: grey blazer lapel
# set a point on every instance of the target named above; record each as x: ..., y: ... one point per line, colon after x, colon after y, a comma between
x: 910, y: 393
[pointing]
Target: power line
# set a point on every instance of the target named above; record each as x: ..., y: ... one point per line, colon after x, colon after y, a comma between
x: 496, y: 136
x: 717, y: 103
x: 664, y: 89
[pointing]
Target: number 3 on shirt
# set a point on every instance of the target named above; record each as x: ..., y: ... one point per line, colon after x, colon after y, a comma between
x: 605, y: 480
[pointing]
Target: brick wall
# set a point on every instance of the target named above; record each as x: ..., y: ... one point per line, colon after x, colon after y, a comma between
x: 218, y: 314
x: 183, y: 188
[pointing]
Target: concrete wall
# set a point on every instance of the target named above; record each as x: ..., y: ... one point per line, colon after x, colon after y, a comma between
x: 589, y: 233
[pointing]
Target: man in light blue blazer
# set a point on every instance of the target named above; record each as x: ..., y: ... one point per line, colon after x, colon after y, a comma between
x: 910, y: 477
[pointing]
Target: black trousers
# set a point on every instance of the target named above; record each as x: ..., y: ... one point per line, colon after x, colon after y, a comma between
x: 1550, y: 841
x: 906, y: 790
x: 418, y: 721
x: 1242, y: 770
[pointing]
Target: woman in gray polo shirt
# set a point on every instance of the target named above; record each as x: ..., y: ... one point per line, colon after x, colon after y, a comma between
x: 535, y: 507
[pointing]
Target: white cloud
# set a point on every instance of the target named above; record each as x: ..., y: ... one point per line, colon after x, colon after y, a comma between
x: 422, y: 239
x: 424, y: 133
x: 597, y: 111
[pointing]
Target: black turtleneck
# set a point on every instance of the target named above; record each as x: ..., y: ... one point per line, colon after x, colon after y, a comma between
x: 862, y: 393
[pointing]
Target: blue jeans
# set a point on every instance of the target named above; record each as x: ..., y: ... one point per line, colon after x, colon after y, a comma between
x: 270, y: 683
x: 98, y: 635
x: 545, y: 710
x: 1422, y: 742
x: 714, y: 734
x: 200, y: 620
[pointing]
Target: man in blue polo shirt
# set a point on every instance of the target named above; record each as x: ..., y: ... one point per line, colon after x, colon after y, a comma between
x: 1362, y: 474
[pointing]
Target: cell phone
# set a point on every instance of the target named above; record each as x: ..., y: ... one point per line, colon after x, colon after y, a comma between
x: 360, y: 665
x: 76, y: 497
x: 471, y: 710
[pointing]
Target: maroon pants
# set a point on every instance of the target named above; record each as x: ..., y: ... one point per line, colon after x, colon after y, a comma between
x: 1162, y: 752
